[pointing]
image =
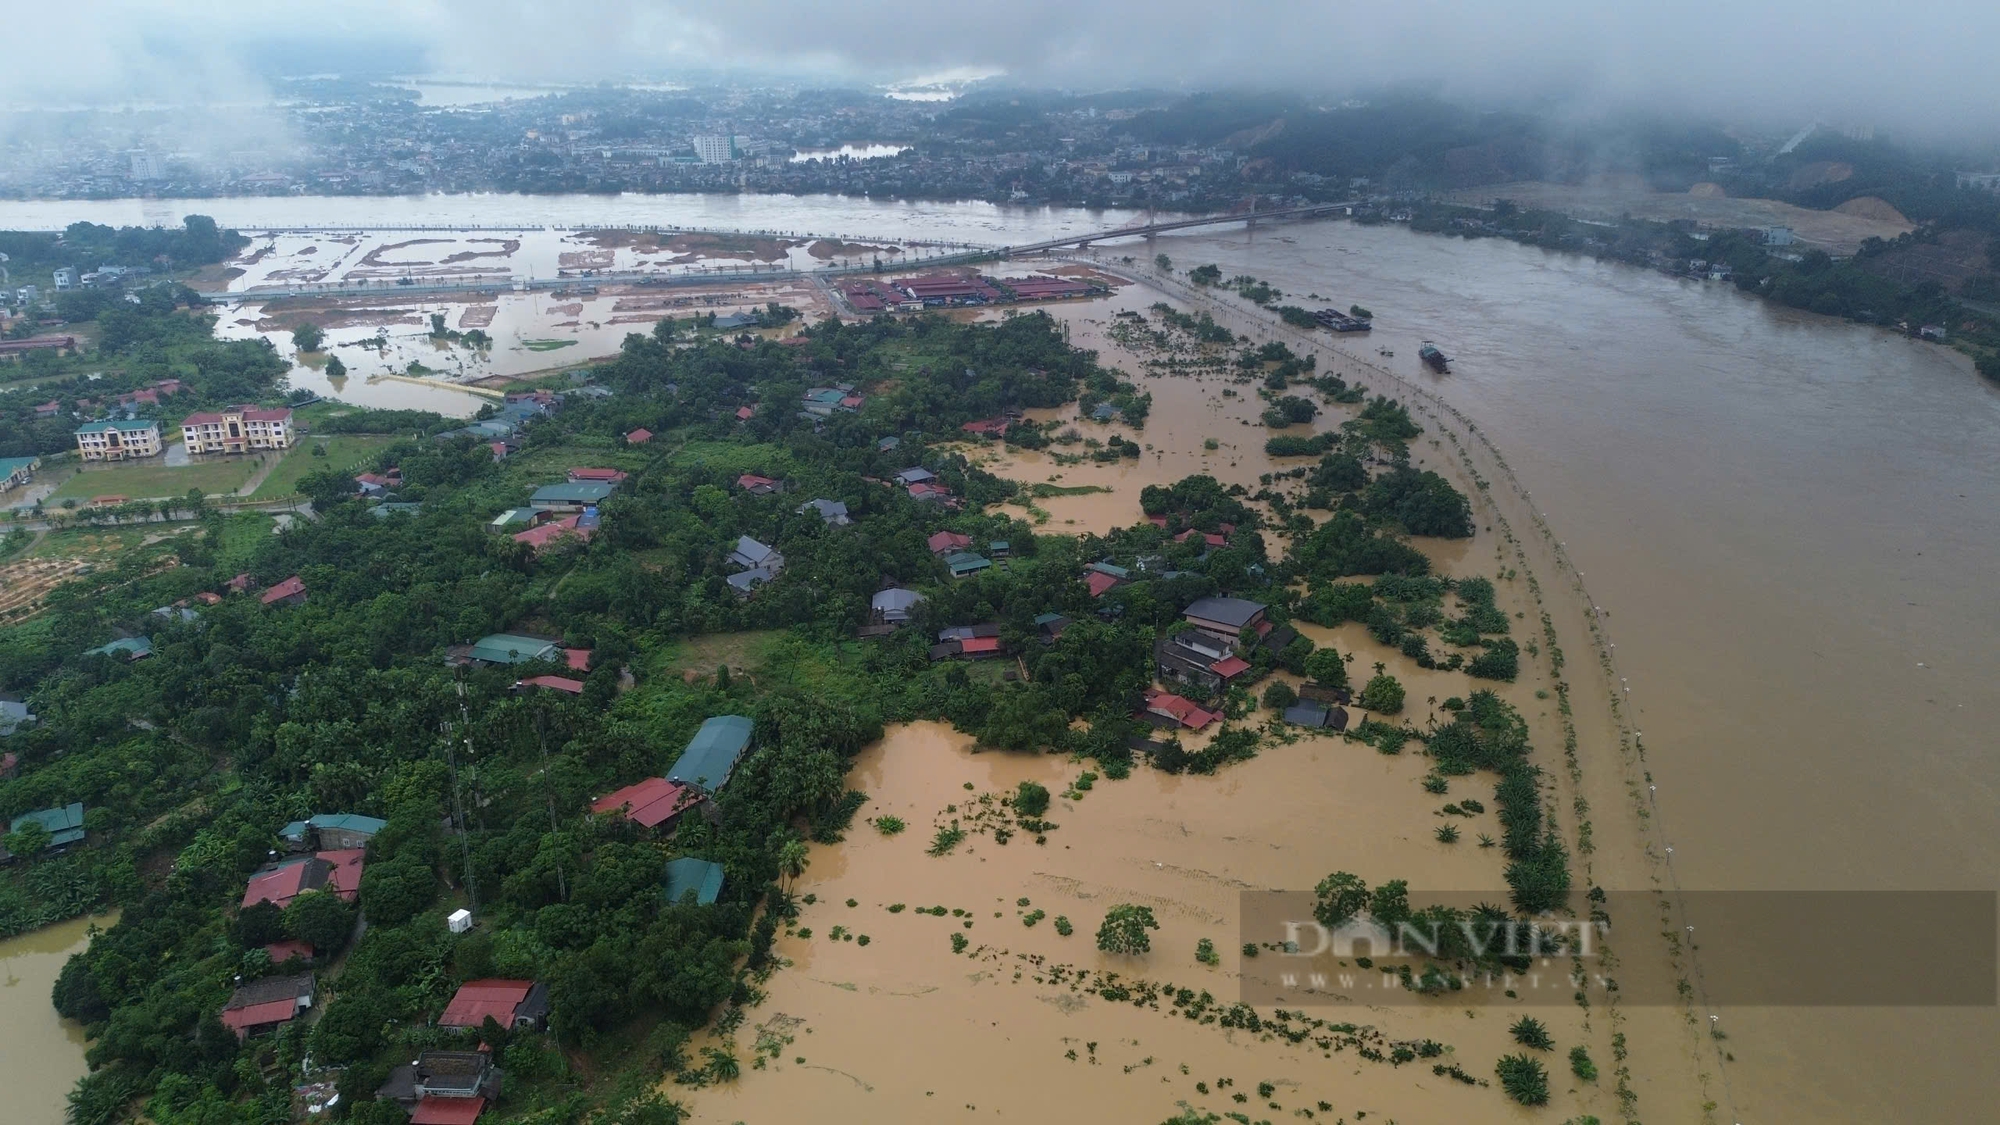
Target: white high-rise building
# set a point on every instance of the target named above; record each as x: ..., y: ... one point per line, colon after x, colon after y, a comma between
x: 715, y: 148
x: 145, y: 165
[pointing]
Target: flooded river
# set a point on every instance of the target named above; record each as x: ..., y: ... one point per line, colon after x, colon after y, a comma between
x: 1792, y: 523
x: 41, y: 1056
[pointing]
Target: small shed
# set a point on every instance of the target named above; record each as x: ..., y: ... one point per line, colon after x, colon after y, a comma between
x: 697, y: 877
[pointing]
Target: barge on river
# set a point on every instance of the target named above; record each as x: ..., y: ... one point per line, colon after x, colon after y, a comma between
x: 1433, y: 358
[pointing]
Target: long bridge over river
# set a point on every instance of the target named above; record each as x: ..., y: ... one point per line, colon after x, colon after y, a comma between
x: 504, y: 282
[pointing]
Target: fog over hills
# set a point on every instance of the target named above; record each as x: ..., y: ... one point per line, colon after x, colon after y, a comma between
x: 1921, y: 68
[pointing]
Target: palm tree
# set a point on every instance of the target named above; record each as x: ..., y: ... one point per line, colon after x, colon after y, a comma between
x: 793, y: 858
x: 722, y: 1064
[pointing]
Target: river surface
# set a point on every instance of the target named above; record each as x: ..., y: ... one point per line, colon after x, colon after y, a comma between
x: 825, y: 215
x: 41, y: 1056
x: 1793, y: 523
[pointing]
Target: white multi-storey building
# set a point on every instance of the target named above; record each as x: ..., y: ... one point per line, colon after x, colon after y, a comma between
x: 118, y: 441
x: 238, y: 429
x: 715, y: 149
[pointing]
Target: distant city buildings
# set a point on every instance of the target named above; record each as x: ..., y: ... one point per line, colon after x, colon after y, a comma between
x: 714, y: 149
x: 145, y: 165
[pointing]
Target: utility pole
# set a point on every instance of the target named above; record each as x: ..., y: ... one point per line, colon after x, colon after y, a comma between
x: 549, y: 795
x: 457, y: 797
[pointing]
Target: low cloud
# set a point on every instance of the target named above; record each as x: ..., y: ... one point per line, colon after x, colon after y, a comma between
x: 1923, y: 67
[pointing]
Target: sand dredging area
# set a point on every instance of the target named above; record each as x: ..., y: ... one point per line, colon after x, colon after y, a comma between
x: 902, y: 1027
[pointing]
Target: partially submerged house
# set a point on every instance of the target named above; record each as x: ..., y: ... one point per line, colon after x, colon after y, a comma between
x: 711, y: 755
x: 1164, y: 708
x: 1226, y: 618
x: 697, y: 877
x: 510, y: 1003
x: 1315, y: 715
x: 653, y: 803
x: 1192, y: 656
x: 337, y: 870
x: 267, y: 1004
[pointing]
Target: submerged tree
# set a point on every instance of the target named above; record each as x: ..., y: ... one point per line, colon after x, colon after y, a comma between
x: 1124, y: 929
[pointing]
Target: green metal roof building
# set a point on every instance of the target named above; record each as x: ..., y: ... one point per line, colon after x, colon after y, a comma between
x: 511, y: 517
x: 65, y: 825
x: 964, y: 563
x: 713, y: 752
x: 123, y: 426
x: 131, y: 648
x: 512, y: 648
x: 699, y: 876
x: 17, y: 470
x: 353, y: 823
x: 571, y: 494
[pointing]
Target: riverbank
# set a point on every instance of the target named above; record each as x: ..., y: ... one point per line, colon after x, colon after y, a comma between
x: 1614, y: 824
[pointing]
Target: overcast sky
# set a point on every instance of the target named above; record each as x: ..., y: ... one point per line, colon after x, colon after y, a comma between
x: 1924, y: 63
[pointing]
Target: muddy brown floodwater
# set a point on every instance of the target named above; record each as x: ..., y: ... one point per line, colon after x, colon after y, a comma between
x: 41, y: 1055
x: 902, y: 1028
x: 1791, y: 523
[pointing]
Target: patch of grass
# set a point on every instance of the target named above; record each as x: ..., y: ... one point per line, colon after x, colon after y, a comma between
x: 946, y: 839
x: 547, y: 345
x: 343, y: 451
x: 889, y: 825
x: 153, y: 479
x: 1580, y: 1064
x: 1044, y: 491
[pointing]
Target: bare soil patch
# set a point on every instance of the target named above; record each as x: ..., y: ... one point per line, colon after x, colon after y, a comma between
x: 587, y: 259
x: 374, y: 257
x: 1834, y: 231
x: 478, y: 316
x: 829, y: 248
x: 507, y: 246
x: 1870, y: 207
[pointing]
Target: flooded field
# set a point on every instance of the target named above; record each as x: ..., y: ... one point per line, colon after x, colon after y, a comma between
x: 531, y: 331
x: 901, y: 1028
x: 41, y: 1056
x: 903, y: 1025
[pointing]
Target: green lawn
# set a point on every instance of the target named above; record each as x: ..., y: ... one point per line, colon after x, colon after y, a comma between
x: 152, y: 479
x: 343, y: 451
